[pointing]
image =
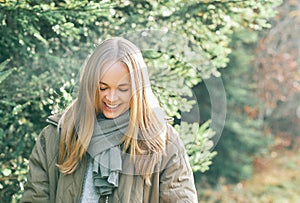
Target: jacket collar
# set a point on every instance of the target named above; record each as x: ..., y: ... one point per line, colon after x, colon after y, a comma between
x: 53, y: 119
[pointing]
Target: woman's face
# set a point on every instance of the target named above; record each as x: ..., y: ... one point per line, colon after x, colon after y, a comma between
x: 115, y: 89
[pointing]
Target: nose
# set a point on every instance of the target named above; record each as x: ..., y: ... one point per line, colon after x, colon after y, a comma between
x: 111, y: 96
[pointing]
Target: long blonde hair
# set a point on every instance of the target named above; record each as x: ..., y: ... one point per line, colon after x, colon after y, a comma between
x: 77, y: 121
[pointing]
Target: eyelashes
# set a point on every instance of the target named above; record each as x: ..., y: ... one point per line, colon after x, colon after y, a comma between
x: 124, y: 90
x: 120, y: 89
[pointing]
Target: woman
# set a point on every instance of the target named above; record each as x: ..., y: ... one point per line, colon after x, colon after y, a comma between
x: 112, y: 143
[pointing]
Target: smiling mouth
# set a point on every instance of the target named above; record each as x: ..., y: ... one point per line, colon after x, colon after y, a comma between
x: 112, y: 106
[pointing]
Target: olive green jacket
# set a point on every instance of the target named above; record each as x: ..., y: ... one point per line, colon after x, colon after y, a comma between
x: 173, y: 182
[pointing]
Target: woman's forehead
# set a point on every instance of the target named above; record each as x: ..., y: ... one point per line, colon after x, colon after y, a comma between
x: 115, y: 73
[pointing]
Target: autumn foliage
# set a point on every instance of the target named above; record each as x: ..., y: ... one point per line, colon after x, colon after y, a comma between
x: 277, y: 66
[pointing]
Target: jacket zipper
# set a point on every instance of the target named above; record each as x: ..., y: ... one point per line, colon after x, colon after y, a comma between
x: 106, y: 199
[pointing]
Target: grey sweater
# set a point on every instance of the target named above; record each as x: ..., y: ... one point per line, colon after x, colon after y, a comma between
x: 89, y: 193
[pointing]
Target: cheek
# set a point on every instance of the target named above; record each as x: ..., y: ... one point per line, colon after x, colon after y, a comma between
x: 126, y: 97
x: 98, y: 103
x: 101, y: 97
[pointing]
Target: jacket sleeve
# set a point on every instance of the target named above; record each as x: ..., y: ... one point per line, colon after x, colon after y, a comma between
x: 176, y: 178
x: 37, y: 186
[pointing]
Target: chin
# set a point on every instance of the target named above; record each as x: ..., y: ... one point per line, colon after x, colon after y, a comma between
x: 111, y: 114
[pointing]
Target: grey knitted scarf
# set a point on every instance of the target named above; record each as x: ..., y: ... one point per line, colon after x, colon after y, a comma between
x: 106, y: 153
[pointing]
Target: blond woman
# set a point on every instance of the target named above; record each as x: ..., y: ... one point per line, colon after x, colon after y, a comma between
x: 112, y: 144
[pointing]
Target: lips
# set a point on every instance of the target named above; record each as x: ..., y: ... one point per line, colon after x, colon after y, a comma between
x: 110, y: 106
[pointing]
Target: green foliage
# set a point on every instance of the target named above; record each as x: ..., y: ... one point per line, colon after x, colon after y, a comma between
x: 32, y: 27
x: 4, y: 73
x: 198, y: 144
x: 44, y: 43
x: 206, y: 24
x: 240, y: 142
x: 243, y: 136
x: 172, y: 82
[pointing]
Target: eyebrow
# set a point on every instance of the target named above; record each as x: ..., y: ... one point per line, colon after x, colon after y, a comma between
x: 123, y: 84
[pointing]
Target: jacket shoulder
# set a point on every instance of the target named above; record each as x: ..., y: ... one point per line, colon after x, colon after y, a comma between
x: 51, y: 132
x: 173, y: 137
x: 174, y: 145
x: 176, y: 176
x: 49, y: 137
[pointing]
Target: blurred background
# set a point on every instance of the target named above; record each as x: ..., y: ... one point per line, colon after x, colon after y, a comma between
x: 252, y: 47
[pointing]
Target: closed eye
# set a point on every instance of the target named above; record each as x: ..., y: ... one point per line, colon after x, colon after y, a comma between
x: 123, y: 90
x: 103, y: 89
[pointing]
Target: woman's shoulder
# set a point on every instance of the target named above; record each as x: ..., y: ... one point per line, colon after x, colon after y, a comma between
x: 173, y: 140
x: 49, y: 136
x: 175, y: 152
x: 172, y: 135
x: 51, y: 128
